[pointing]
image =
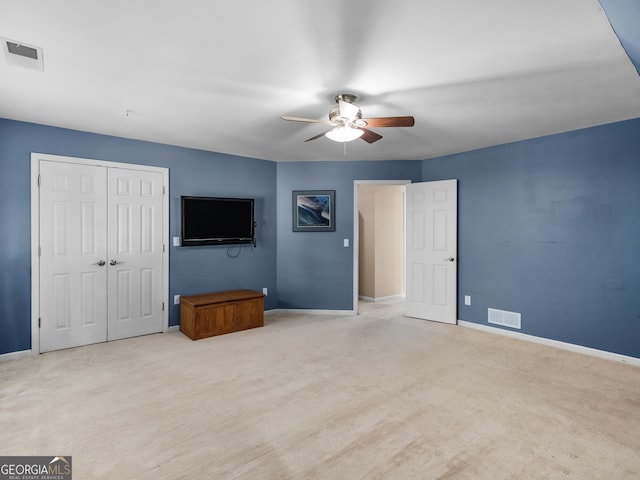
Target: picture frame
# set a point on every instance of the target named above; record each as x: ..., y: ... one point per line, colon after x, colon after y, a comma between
x: 314, y: 210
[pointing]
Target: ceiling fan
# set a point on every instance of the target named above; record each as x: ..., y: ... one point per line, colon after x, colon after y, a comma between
x: 346, y: 118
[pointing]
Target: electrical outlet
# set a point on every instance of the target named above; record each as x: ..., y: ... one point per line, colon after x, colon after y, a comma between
x: 265, y: 291
x: 467, y: 299
x: 176, y: 299
x: 176, y: 241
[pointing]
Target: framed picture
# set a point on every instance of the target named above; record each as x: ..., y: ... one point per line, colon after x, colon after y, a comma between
x: 314, y: 210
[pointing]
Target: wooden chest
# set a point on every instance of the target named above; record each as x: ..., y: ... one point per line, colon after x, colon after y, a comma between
x: 212, y: 314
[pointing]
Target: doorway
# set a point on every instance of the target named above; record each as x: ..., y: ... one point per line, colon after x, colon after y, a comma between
x: 356, y: 229
x: 99, y: 257
x: 430, y: 210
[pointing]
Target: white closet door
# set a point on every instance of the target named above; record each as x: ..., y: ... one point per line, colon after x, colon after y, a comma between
x: 135, y: 252
x: 101, y: 254
x: 73, y: 249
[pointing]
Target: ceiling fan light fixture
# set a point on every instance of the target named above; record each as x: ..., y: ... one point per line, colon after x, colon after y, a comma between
x: 344, y: 134
x: 349, y: 125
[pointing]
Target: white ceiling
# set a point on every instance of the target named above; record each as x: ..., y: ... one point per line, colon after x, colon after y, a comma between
x: 217, y: 75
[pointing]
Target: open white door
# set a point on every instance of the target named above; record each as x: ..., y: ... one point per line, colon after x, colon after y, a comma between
x: 431, y: 238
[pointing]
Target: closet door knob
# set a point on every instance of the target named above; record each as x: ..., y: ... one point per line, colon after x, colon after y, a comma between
x: 101, y: 263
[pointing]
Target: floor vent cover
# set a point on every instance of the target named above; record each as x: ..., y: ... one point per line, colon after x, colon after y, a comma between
x: 504, y: 318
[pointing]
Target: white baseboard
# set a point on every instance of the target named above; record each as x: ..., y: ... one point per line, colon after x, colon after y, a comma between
x: 309, y: 312
x: 381, y: 299
x: 616, y: 357
x: 274, y: 311
x: 15, y: 355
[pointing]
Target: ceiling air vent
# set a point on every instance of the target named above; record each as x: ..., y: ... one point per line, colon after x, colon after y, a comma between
x: 22, y: 55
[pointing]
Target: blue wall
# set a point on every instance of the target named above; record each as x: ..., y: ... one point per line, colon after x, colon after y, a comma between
x: 192, y: 172
x: 315, y: 271
x: 547, y: 227
x: 623, y: 16
x: 550, y: 228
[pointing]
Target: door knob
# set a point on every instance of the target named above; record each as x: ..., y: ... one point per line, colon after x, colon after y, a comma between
x: 451, y: 259
x: 101, y: 263
x: 113, y: 262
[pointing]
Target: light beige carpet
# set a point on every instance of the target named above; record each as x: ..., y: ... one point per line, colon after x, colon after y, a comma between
x: 377, y: 396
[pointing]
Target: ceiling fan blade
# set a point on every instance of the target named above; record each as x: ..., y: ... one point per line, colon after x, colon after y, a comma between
x: 316, y: 137
x: 308, y: 120
x: 390, y: 122
x: 369, y: 136
x: 348, y: 110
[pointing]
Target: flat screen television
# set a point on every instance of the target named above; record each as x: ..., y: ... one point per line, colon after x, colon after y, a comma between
x: 217, y: 221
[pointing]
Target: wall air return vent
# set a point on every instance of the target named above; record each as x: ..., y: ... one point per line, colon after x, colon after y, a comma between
x: 22, y: 55
x: 504, y: 318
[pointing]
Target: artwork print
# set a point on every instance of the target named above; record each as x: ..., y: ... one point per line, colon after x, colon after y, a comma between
x: 313, y: 211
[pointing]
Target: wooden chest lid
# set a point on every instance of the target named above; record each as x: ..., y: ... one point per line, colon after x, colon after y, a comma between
x: 219, y: 297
